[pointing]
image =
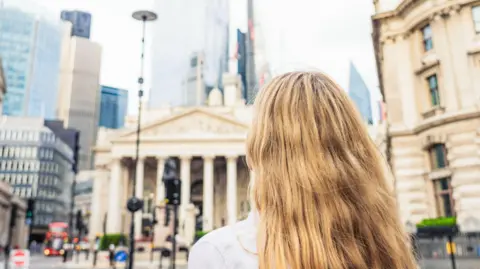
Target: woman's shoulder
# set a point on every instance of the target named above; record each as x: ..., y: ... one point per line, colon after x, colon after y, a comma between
x: 221, y: 248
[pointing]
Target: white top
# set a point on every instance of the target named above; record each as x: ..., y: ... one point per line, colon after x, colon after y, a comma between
x: 230, y: 247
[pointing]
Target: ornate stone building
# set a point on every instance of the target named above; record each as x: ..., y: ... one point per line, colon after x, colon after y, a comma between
x: 428, y: 58
x: 209, y: 146
x: 20, y: 230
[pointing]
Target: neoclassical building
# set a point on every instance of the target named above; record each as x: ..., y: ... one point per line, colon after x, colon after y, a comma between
x: 428, y: 58
x: 209, y: 145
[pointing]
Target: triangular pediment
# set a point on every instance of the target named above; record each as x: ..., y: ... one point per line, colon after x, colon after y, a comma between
x: 193, y: 122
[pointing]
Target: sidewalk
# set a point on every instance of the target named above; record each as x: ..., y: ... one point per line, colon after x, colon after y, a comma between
x: 142, y: 260
x: 180, y: 264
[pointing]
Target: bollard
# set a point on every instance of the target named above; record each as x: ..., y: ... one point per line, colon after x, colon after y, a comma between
x: 95, y: 253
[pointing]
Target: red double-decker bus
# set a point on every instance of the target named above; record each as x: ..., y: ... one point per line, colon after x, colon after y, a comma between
x: 56, y: 236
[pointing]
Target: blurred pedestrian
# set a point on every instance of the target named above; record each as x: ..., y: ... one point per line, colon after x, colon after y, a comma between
x: 320, y: 194
x: 111, y: 255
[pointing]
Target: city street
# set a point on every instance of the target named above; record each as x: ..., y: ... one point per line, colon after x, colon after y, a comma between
x: 41, y: 262
x: 446, y: 264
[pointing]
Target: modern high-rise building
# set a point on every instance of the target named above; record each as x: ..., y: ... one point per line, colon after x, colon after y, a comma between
x: 113, y: 107
x: 30, y: 48
x: 37, y: 163
x: 78, y: 103
x: 360, y: 94
x: 81, y: 22
x: 187, y: 27
x: 195, y: 91
x: 241, y: 57
x: 428, y: 64
x: 257, y: 69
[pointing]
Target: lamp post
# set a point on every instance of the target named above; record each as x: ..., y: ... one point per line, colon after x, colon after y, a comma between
x: 135, y: 203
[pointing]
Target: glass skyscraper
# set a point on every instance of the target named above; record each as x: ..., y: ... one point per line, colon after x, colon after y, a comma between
x: 113, y: 107
x: 30, y: 50
x: 81, y: 22
x: 187, y: 27
x: 360, y: 94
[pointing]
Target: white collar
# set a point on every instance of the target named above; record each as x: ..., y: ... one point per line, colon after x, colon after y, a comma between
x: 246, y: 232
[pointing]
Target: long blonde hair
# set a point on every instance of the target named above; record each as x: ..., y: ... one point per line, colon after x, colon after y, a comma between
x: 320, y: 186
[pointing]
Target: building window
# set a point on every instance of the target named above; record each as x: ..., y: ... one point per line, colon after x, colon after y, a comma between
x: 427, y: 37
x: 438, y: 156
x: 433, y: 89
x: 476, y: 18
x: 444, y: 197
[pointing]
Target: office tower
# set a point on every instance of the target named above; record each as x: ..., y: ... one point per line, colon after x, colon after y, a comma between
x: 37, y: 163
x: 113, y: 107
x: 79, y: 100
x: 186, y: 27
x: 30, y: 48
x: 360, y: 94
x: 81, y: 22
x: 241, y: 57
x: 257, y: 67
x: 195, y: 92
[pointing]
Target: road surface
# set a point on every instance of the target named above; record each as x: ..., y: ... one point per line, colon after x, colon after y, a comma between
x: 446, y: 264
x: 40, y: 262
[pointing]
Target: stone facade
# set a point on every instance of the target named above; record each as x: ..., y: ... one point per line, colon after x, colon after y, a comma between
x: 20, y: 230
x: 208, y: 144
x: 428, y: 58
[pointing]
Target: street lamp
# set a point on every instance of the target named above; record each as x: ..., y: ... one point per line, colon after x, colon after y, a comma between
x: 135, y: 203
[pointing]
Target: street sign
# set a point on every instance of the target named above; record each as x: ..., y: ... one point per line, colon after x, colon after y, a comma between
x: 19, y: 258
x: 121, y: 256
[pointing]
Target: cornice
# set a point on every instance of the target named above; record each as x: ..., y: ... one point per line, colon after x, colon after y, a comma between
x: 437, y: 14
x: 437, y: 121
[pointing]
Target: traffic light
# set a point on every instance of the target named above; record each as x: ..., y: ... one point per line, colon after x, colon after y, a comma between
x: 29, y: 212
x: 79, y: 220
x: 76, y: 150
x: 172, y: 183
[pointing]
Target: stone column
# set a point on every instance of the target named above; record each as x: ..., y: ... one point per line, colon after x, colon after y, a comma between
x: 185, y: 195
x: 96, y: 218
x: 159, y: 229
x: 114, y: 220
x: 139, y: 194
x: 126, y: 193
x: 208, y: 193
x: 231, y: 189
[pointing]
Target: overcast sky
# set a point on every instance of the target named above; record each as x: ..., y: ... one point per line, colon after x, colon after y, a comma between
x: 302, y: 34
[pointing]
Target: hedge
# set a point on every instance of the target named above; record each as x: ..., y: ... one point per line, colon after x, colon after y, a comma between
x: 438, y: 222
x: 115, y: 239
x: 200, y: 234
